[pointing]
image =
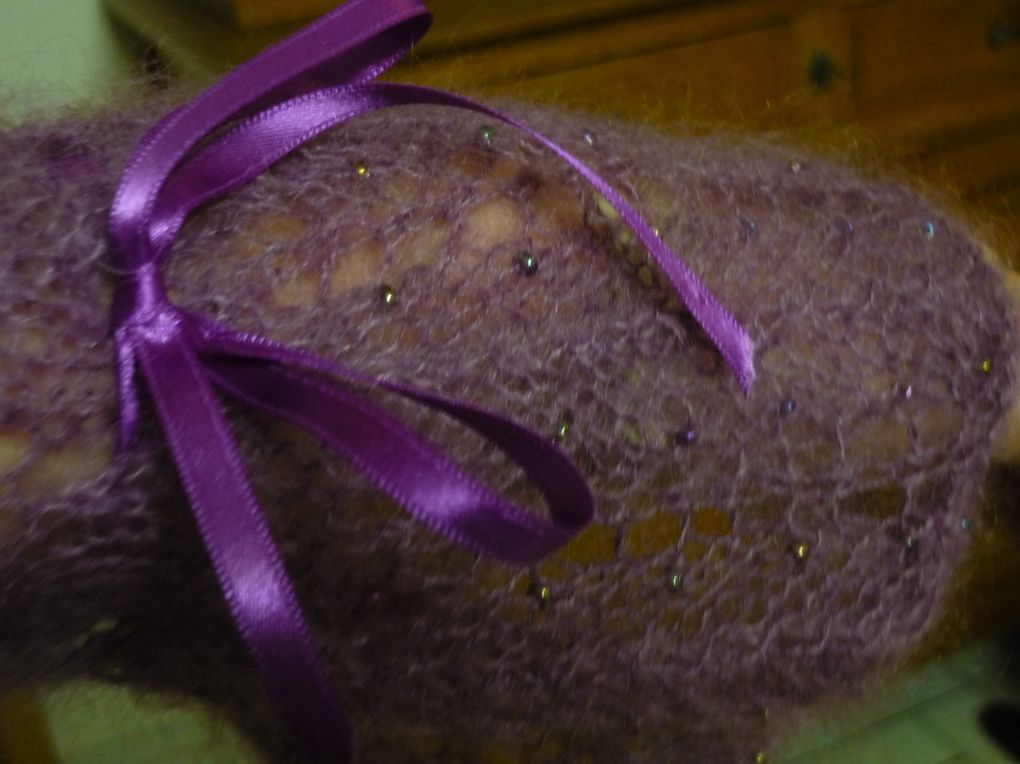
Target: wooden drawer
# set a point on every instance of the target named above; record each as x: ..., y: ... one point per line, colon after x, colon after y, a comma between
x: 750, y: 62
x: 464, y: 18
x: 934, y: 82
x: 466, y: 24
x: 739, y: 77
x: 985, y: 163
x: 918, y: 49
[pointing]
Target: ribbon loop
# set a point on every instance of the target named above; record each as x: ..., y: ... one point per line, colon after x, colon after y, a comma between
x: 292, y: 385
x: 353, y: 44
x: 247, y: 563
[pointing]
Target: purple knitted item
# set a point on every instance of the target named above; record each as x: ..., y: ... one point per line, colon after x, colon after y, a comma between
x: 748, y: 554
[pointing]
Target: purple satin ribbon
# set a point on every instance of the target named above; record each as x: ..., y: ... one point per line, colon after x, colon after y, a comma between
x: 257, y: 114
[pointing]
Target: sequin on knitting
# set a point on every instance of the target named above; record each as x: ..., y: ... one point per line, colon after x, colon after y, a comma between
x: 788, y: 406
x: 675, y: 581
x: 911, y: 548
x: 801, y: 551
x: 387, y: 295
x: 563, y: 428
x: 685, y: 436
x: 986, y: 365
x: 589, y: 137
x: 928, y: 229
x: 486, y: 133
x: 527, y: 263
x: 363, y: 171
x: 541, y: 592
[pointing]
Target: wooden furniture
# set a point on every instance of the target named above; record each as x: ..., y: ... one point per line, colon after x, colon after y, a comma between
x: 930, y: 85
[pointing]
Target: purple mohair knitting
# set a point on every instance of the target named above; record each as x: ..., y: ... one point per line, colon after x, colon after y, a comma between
x: 747, y: 555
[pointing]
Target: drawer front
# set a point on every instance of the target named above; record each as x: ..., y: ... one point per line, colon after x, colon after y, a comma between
x: 738, y: 60
x: 462, y: 24
x: 983, y: 164
x: 913, y: 48
x: 733, y: 77
x: 757, y: 78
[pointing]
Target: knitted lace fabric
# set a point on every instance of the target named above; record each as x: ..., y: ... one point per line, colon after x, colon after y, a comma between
x: 749, y: 557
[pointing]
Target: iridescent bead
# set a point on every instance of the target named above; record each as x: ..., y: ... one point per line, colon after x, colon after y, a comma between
x: 986, y: 365
x: 801, y: 551
x: 589, y: 137
x: 761, y: 758
x: 796, y: 167
x: 788, y: 406
x: 387, y: 295
x: 685, y: 437
x: 562, y: 429
x: 363, y: 171
x: 486, y: 133
x: 541, y: 592
x: 528, y: 263
x: 675, y: 581
x: 928, y: 229
x: 965, y: 524
x: 911, y: 548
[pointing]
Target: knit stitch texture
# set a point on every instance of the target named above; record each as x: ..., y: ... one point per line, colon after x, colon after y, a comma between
x: 750, y: 556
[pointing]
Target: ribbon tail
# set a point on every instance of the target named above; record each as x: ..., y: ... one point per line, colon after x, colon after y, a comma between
x: 247, y: 562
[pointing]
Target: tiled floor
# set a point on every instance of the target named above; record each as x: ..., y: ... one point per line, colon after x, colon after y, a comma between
x: 929, y: 718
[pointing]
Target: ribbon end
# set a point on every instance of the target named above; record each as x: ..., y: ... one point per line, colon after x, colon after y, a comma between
x: 127, y: 429
x: 743, y: 364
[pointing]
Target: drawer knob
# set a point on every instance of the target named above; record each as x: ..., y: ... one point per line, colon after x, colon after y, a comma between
x: 1002, y: 32
x: 822, y: 70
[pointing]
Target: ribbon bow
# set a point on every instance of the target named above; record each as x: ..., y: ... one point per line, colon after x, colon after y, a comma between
x: 318, y: 78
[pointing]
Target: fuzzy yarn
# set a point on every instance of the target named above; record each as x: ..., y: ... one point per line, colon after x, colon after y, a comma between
x: 750, y: 556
